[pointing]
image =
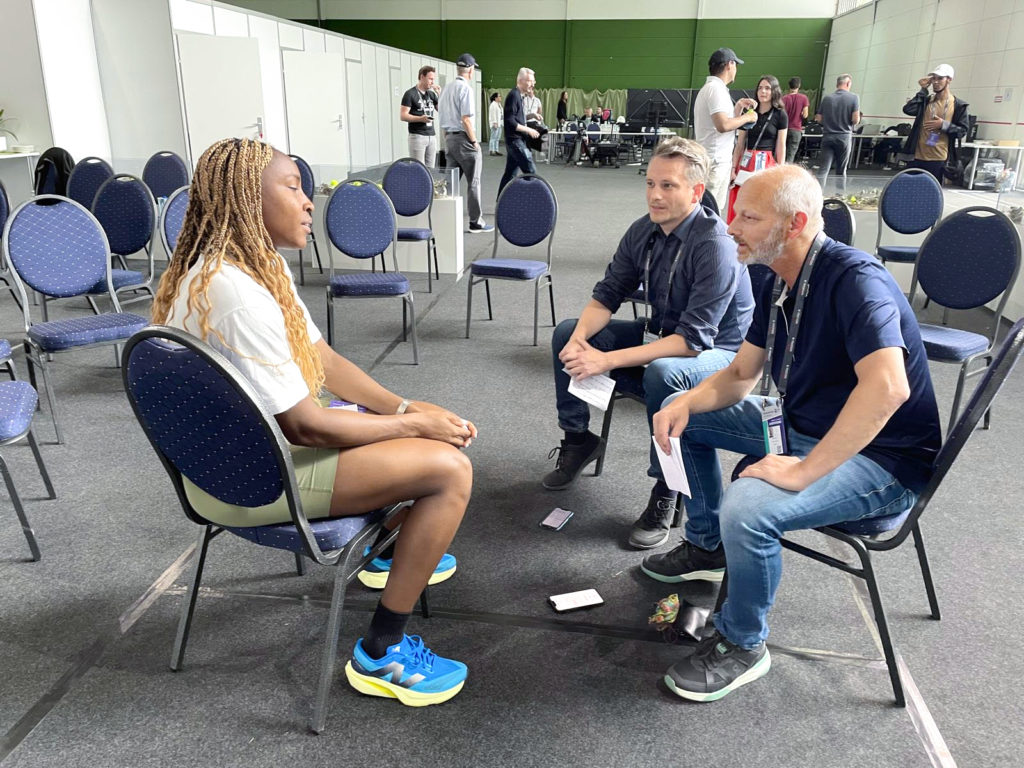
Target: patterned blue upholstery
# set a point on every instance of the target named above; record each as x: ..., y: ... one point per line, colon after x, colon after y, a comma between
x: 121, y: 278
x: 306, y: 180
x: 174, y: 217
x: 526, y: 211
x: 594, y: 133
x: 17, y: 406
x: 408, y: 234
x: 951, y: 345
x: 410, y: 186
x: 164, y: 173
x: 330, y: 534
x: 58, y: 248
x: 360, y: 219
x: 517, y: 269
x: 838, y: 218
x: 969, y: 259
x: 911, y: 202
x: 370, y: 284
x: 86, y: 178
x: 5, y: 208
x: 903, y: 254
x: 5, y: 350
x: 210, y: 432
x: 55, y: 335
x: 124, y: 208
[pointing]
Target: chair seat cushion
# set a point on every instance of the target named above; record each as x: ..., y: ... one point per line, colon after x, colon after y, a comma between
x: 951, y: 344
x: 332, y: 533
x: 414, y: 233
x: 77, y: 332
x: 370, y: 284
x: 17, y: 405
x: 517, y: 269
x: 121, y: 278
x: 906, y: 254
x: 5, y: 349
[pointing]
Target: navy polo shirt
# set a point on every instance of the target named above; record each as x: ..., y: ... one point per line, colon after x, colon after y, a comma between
x: 853, y: 308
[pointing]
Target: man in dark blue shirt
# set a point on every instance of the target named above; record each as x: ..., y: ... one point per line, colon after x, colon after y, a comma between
x: 518, y: 157
x: 697, y: 312
x: 857, y: 408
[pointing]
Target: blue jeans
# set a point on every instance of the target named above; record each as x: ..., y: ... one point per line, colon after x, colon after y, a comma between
x: 663, y: 377
x: 750, y: 516
x: 835, y: 150
x: 517, y: 157
x: 495, y: 138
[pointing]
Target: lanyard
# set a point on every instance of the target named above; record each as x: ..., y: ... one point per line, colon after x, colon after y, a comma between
x: 647, y: 280
x: 801, y: 289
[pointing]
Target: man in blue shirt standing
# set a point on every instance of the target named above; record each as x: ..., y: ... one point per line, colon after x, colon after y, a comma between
x: 519, y: 157
x: 698, y: 310
x: 858, y: 435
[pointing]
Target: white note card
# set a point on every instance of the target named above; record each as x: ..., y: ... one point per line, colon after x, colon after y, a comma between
x: 672, y: 466
x: 596, y: 390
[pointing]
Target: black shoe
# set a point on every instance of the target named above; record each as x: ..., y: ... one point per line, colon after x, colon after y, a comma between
x: 572, y: 458
x: 717, y: 668
x: 652, y: 528
x: 478, y: 228
x: 499, y: 154
x: 686, y: 562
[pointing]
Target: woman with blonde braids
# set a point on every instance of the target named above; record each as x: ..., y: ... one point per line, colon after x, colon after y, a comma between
x: 227, y: 284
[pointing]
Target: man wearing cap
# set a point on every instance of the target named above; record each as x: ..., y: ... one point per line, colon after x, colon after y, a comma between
x: 456, y: 111
x: 939, y: 120
x: 838, y: 113
x: 716, y: 118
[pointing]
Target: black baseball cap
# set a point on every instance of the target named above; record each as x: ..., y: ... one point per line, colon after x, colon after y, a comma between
x: 724, y: 56
x: 465, y: 60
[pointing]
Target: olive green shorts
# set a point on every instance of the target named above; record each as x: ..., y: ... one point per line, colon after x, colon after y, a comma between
x: 315, y: 469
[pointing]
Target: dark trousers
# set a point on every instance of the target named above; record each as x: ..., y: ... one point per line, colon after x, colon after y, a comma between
x: 517, y: 158
x: 835, y: 151
x: 934, y: 167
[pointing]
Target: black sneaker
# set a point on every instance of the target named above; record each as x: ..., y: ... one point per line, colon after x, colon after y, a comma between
x: 652, y: 528
x: 686, y: 562
x: 478, y: 228
x: 572, y: 458
x: 717, y: 668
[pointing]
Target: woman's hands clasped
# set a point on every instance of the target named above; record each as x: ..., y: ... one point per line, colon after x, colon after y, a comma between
x: 436, y: 423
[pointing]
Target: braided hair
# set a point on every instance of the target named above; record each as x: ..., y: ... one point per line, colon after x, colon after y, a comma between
x: 224, y: 224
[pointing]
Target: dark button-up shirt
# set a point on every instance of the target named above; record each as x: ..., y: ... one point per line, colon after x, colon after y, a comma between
x: 515, y: 114
x: 711, y: 302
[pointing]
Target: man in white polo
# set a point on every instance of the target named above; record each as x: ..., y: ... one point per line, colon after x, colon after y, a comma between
x: 716, y: 118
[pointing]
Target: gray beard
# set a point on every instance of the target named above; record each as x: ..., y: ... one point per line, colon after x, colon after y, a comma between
x: 770, y: 249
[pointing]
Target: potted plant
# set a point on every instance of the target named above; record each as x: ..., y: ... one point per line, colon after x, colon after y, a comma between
x: 4, y: 122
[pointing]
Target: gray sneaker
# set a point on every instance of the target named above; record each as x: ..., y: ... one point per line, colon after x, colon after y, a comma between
x: 717, y: 668
x: 572, y: 458
x: 652, y: 527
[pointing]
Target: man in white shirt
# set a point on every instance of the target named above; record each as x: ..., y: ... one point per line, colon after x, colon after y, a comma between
x: 716, y: 118
x: 534, y: 112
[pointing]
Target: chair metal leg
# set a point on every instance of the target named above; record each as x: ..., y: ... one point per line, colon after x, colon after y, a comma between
x: 424, y: 603
x: 536, y: 307
x: 881, y: 623
x: 405, y: 322
x: 412, y: 323
x: 960, y: 382
x: 437, y: 268
x: 606, y: 426
x: 926, y: 572
x: 300, y: 564
x: 189, y: 605
x: 26, y: 528
x: 302, y: 266
x: 42, y: 467
x: 469, y: 303
x: 430, y: 274
x: 723, y: 593
x: 330, y: 654
x: 94, y: 305
x: 50, y: 397
x: 316, y: 253
x: 487, y: 289
x: 330, y: 319
x: 677, y: 516
x: 551, y: 296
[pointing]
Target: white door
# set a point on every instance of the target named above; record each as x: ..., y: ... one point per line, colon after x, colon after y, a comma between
x: 357, y: 120
x: 220, y: 80
x: 318, y: 116
x: 400, y: 130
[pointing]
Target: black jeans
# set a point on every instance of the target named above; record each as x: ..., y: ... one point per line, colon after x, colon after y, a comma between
x: 934, y: 167
x: 518, y: 158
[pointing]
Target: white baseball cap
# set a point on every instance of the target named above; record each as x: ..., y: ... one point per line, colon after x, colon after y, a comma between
x: 943, y: 70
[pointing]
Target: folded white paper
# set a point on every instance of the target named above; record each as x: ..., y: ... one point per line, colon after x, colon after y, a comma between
x: 595, y: 390
x: 672, y: 466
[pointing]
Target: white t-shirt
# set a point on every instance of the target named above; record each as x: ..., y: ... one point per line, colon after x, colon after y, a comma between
x: 713, y: 97
x: 250, y: 320
x: 495, y: 114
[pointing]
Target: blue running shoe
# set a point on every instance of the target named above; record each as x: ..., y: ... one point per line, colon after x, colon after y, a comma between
x: 409, y: 672
x: 375, y: 574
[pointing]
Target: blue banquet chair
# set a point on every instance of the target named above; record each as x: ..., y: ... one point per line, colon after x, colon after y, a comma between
x: 126, y: 210
x: 308, y: 189
x: 86, y: 178
x: 411, y: 188
x: 910, y: 203
x: 172, y: 218
x: 165, y: 172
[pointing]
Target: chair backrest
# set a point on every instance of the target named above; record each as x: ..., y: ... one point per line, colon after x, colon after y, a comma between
x: 839, y: 221
x: 709, y: 202
x: 911, y: 202
x: 165, y: 172
x: 594, y: 132
x: 526, y: 212
x: 971, y: 257
x: 5, y: 206
x: 52, y: 171
x: 306, y: 180
x: 410, y: 186
x: 126, y: 210
x: 204, y: 419
x: 172, y: 217
x: 360, y: 220
x: 1003, y: 362
x: 86, y: 178
x: 56, y: 247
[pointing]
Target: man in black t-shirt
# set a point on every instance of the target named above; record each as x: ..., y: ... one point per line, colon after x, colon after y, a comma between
x: 418, y: 107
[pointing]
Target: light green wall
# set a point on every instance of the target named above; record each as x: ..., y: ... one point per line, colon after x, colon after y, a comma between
x: 603, y: 54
